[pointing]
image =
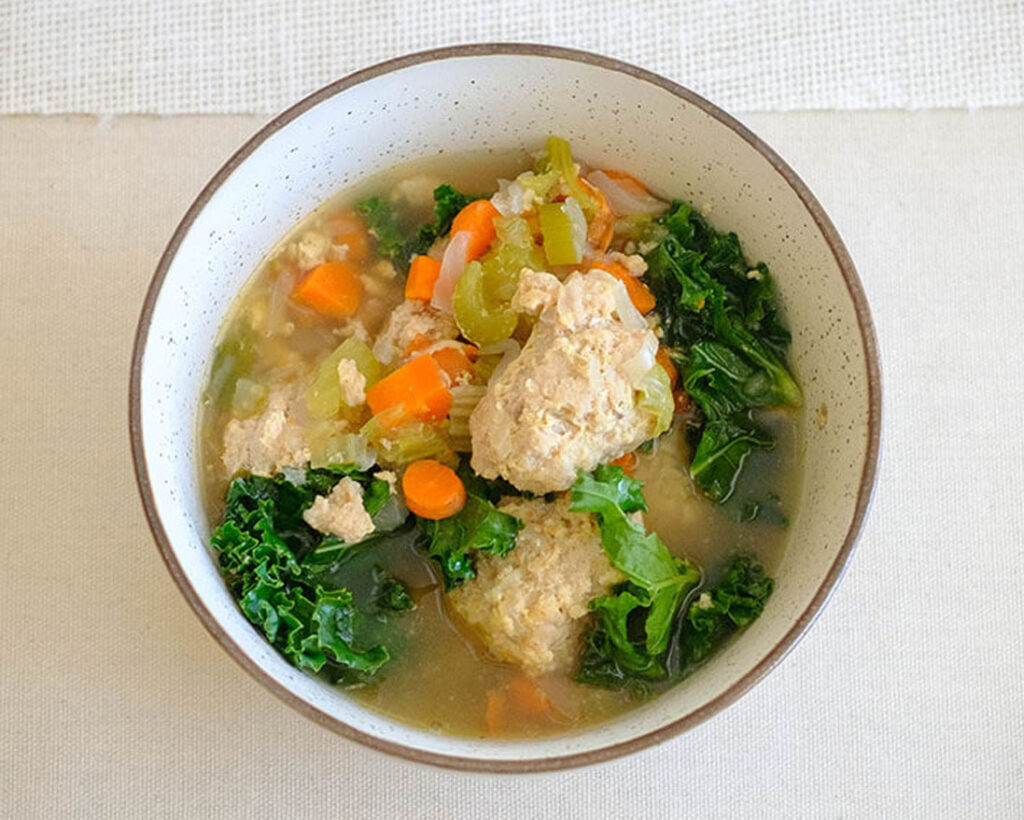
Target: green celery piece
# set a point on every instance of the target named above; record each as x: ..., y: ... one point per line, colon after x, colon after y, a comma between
x: 559, y: 242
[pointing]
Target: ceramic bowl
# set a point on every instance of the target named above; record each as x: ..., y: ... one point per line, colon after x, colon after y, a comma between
x: 501, y: 97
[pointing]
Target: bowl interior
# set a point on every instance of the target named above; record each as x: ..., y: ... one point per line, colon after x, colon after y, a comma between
x: 472, y: 100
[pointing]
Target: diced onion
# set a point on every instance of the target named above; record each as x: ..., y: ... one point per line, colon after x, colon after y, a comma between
x: 624, y: 196
x: 637, y: 366
x: 452, y: 265
x: 510, y: 199
x: 579, y: 223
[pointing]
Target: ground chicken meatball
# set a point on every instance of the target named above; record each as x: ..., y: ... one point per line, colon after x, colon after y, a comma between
x: 341, y: 513
x: 529, y: 607
x: 412, y: 319
x: 265, y: 443
x: 569, y: 401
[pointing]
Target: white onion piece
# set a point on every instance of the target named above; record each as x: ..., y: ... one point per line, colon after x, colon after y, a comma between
x: 579, y: 225
x: 509, y: 350
x: 624, y: 196
x: 510, y: 199
x: 453, y: 263
x: 630, y: 317
x: 637, y: 366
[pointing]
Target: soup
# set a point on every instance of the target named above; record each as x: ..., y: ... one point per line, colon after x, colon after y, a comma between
x: 502, y: 452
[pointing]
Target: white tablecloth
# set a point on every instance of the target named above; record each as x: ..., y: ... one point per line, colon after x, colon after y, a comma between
x: 906, y: 699
x: 234, y: 56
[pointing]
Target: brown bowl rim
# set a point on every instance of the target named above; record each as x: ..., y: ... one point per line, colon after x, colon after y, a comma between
x: 676, y: 727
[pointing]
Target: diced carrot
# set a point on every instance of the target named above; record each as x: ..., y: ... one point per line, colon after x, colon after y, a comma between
x: 639, y: 294
x: 528, y: 697
x: 627, y: 462
x: 682, y: 400
x: 350, y: 230
x: 477, y: 219
x: 472, y: 352
x: 333, y: 289
x: 496, y: 713
x: 602, y: 224
x: 453, y: 362
x: 421, y: 341
x: 423, y: 273
x: 662, y: 358
x: 417, y: 387
x: 432, y: 489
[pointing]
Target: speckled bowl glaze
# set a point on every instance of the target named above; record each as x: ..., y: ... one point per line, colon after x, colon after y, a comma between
x: 501, y: 97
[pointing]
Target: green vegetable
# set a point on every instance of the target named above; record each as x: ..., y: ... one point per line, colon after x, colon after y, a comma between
x: 718, y: 314
x: 724, y: 446
x: 398, y: 446
x: 390, y: 594
x: 656, y: 398
x: 262, y: 542
x: 481, y: 319
x: 560, y: 242
x: 382, y: 223
x: 559, y: 158
x: 731, y: 604
x: 645, y: 632
x: 447, y: 203
x: 479, y: 526
x: 391, y: 241
x: 324, y: 396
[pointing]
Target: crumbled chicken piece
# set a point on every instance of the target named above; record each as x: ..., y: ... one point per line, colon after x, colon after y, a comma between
x: 632, y: 262
x: 529, y: 607
x: 312, y: 249
x: 341, y: 513
x: 417, y: 190
x: 410, y: 320
x: 265, y: 443
x: 568, y: 401
x: 390, y: 478
x: 352, y: 382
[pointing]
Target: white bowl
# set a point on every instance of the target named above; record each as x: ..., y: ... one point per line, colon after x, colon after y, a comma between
x: 509, y: 97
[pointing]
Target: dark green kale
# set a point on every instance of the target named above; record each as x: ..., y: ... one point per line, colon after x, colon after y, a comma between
x: 390, y: 593
x: 261, y: 544
x: 392, y: 242
x: 721, y: 322
x: 632, y: 627
x: 731, y: 604
x: 479, y: 526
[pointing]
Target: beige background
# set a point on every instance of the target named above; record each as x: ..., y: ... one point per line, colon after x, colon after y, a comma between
x: 906, y: 699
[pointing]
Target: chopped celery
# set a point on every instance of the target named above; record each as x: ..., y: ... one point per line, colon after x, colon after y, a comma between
x: 249, y: 398
x: 656, y: 398
x: 559, y: 158
x: 340, y: 450
x: 481, y: 319
x: 324, y: 396
x: 398, y: 446
x: 539, y: 184
x: 561, y: 245
x: 464, y: 402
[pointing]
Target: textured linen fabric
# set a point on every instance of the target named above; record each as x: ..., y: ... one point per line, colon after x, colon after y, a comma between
x: 906, y: 699
x: 224, y: 56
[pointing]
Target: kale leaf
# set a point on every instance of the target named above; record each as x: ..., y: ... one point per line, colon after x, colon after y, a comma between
x: 478, y: 526
x: 719, y: 316
x: 392, y: 243
x: 261, y: 543
x: 731, y: 604
x: 632, y: 627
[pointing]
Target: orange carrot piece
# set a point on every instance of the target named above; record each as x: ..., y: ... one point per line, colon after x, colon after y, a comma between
x: 639, y: 294
x: 682, y: 400
x: 421, y: 341
x: 528, y: 697
x: 349, y: 229
x: 477, y: 219
x: 417, y: 387
x: 627, y: 462
x: 333, y: 289
x: 662, y: 358
x: 453, y: 362
x: 432, y: 489
x: 495, y: 714
x: 423, y: 273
